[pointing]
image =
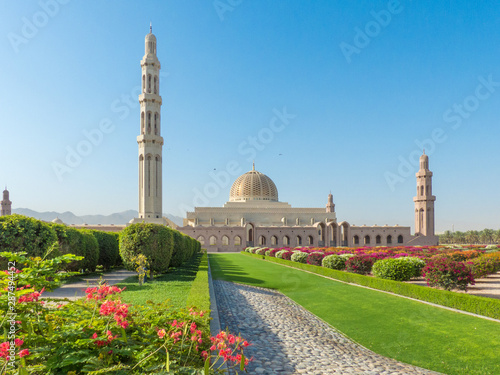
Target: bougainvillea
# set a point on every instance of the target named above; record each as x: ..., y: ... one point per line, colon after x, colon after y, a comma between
x: 446, y: 273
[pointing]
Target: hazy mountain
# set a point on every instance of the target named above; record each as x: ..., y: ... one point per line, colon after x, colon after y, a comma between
x: 67, y: 217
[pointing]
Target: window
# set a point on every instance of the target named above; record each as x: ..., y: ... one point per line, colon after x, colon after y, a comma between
x: 286, y: 241
x: 149, y: 83
x: 262, y: 240
x: 400, y: 239
x: 378, y: 239
x: 225, y: 240
x: 310, y: 240
x: 142, y: 122
x: 389, y: 239
x: 367, y: 240
x: 355, y: 239
x: 237, y: 241
x: 143, y: 83
x: 156, y: 85
x: 201, y: 240
x: 299, y: 240
x: 213, y: 240
x: 149, y: 122
x: 274, y: 240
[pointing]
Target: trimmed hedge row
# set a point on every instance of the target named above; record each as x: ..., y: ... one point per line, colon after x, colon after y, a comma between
x: 199, y: 295
x: 49, y: 240
x: 162, y: 246
x: 478, y: 305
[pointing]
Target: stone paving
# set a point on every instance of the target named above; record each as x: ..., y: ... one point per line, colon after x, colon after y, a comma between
x: 77, y: 290
x: 287, y: 339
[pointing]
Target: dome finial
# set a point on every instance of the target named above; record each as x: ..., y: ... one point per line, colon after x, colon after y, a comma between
x: 253, y: 166
x: 151, y: 27
x: 424, y: 151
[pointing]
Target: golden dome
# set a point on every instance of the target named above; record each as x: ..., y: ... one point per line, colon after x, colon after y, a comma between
x: 253, y: 186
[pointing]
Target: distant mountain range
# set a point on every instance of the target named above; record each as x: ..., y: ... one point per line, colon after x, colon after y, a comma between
x: 67, y: 217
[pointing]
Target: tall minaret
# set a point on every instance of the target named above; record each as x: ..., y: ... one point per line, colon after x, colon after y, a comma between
x: 424, y: 201
x: 6, y: 204
x: 330, y: 207
x: 150, y: 140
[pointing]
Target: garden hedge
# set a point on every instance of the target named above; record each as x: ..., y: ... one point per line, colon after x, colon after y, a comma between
x: 22, y: 233
x: 199, y: 295
x: 108, y: 248
x: 152, y: 240
x: 489, y: 307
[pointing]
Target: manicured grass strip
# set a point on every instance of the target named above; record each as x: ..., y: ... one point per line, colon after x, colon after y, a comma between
x: 199, y: 294
x: 174, y: 286
x: 477, y: 305
x: 406, y: 330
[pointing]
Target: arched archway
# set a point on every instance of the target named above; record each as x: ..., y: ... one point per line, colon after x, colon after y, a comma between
x: 298, y: 241
x: 286, y: 241
x: 250, y: 232
x: 213, y: 240
x: 321, y: 234
x: 367, y: 240
x: 225, y: 240
x: 355, y: 240
x: 274, y: 240
x: 389, y: 240
x: 201, y: 240
x: 378, y: 239
x: 237, y: 241
x: 262, y: 241
x: 333, y: 228
x: 310, y: 240
x: 400, y: 239
x: 345, y: 233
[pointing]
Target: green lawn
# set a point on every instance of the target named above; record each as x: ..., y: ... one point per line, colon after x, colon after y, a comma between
x: 395, y: 327
x: 174, y: 286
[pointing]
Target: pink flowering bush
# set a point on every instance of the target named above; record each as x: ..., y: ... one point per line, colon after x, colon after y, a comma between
x: 100, y: 333
x: 361, y: 264
x: 315, y: 258
x: 444, y: 272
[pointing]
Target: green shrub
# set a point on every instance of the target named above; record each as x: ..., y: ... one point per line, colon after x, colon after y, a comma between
x: 397, y: 269
x: 90, y: 250
x: 71, y: 242
x: 299, y: 257
x: 20, y: 233
x: 177, y: 256
x: 261, y: 251
x: 417, y: 264
x: 154, y: 241
x: 268, y: 253
x: 315, y: 258
x: 335, y: 262
x: 109, y: 249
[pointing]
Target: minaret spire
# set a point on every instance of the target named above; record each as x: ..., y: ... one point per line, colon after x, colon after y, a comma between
x: 424, y: 201
x: 150, y: 140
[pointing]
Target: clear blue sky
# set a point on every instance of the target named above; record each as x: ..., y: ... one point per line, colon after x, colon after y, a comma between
x: 366, y: 80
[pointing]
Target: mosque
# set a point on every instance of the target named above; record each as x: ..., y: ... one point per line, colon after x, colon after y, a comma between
x: 254, y: 216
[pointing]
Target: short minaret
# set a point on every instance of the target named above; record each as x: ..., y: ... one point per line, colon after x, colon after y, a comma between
x: 6, y: 204
x: 330, y: 206
x: 424, y: 201
x: 150, y: 140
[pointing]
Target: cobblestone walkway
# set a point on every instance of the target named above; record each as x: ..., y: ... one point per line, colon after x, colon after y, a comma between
x: 289, y: 340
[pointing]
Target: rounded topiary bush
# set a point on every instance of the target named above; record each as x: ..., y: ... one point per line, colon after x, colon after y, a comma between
x: 397, y: 269
x: 417, y: 264
x: 335, y: 262
x: 315, y: 258
x: 154, y: 241
x: 287, y: 255
x: 280, y: 253
x: 267, y: 253
x: 273, y: 252
x: 299, y: 257
x: 261, y: 251
x: 359, y: 264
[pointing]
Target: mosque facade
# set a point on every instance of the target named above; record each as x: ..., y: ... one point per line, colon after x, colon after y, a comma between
x: 254, y: 216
